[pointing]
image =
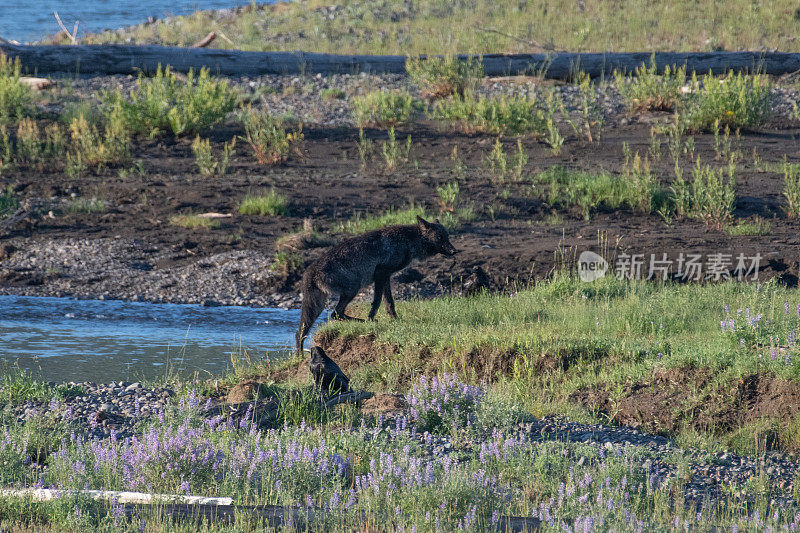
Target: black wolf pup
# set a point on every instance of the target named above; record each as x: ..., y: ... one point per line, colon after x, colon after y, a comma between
x: 328, y: 377
x: 355, y: 263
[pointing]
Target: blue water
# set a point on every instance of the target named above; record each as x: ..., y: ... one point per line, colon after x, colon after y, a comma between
x: 30, y: 21
x: 63, y: 339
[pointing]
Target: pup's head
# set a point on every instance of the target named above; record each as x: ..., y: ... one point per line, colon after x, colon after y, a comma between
x: 317, y: 354
x: 435, y: 236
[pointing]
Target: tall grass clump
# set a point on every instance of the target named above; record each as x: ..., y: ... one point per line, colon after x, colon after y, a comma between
x: 89, y: 147
x: 440, y: 77
x: 384, y: 109
x: 736, y: 101
x: 270, y: 204
x: 712, y: 195
x: 791, y: 188
x: 208, y: 163
x: 34, y: 147
x: 589, y: 192
x: 649, y: 91
x: 501, y: 116
x: 15, y: 96
x: 361, y: 223
x: 166, y: 102
x: 192, y: 221
x: 267, y: 136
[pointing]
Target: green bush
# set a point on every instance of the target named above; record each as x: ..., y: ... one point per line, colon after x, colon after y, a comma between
x: 710, y: 197
x: 384, y: 109
x: 15, y: 96
x: 649, y: 91
x: 439, y: 77
x: 267, y: 136
x: 502, y: 116
x: 791, y: 188
x: 167, y: 103
x: 735, y: 101
x: 8, y: 202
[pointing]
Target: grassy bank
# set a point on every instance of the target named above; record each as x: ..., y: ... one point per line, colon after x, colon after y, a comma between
x: 678, y: 359
x: 480, y: 26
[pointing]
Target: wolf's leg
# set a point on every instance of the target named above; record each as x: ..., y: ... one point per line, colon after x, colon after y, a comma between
x: 381, y: 281
x: 339, y: 312
x: 313, y: 304
x: 387, y: 296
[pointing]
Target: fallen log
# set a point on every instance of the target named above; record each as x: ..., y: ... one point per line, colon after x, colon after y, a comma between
x: 131, y: 59
x: 222, y: 509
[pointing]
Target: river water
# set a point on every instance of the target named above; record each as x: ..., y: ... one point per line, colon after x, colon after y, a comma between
x: 30, y: 21
x: 62, y: 339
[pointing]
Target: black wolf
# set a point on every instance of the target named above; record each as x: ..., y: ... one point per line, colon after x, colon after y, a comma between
x: 355, y: 263
x: 328, y: 377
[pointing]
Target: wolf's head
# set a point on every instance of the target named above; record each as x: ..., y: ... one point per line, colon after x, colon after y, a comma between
x: 435, y: 237
x: 318, y: 355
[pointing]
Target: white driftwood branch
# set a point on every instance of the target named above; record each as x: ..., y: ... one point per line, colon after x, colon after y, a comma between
x: 43, y: 495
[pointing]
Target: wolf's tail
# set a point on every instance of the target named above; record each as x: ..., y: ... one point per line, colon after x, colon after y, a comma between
x: 314, y: 299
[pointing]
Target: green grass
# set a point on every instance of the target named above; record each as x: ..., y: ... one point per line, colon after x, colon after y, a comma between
x: 589, y: 192
x: 756, y: 226
x: 8, y: 202
x: 191, y: 221
x: 384, y: 109
x: 86, y: 205
x: 502, y: 116
x: 271, y: 204
x: 16, y: 98
x: 18, y: 386
x: 566, y: 335
x: 363, y: 223
x: 482, y: 26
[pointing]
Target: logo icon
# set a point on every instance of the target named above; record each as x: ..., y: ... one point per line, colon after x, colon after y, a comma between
x: 591, y: 266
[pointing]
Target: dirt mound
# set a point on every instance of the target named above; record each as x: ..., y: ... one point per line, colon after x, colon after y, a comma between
x: 385, y: 404
x: 691, y: 396
x: 245, y: 391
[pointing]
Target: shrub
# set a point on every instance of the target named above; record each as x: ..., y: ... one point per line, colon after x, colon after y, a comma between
x: 272, y: 204
x: 439, y: 77
x: 15, y: 96
x: 190, y: 221
x: 713, y: 194
x: 267, y: 136
x: 791, y: 188
x: 332, y: 94
x: 735, y: 101
x: 8, y: 202
x: 207, y: 162
x: 393, y: 153
x: 89, y: 148
x: 384, y: 109
x: 649, y: 91
x: 166, y: 103
x: 448, y: 196
x: 502, y: 116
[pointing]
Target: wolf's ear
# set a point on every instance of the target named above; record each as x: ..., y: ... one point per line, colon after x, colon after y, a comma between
x: 422, y: 222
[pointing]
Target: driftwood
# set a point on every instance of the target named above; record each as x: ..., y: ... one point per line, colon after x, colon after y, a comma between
x: 131, y: 59
x: 205, y: 41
